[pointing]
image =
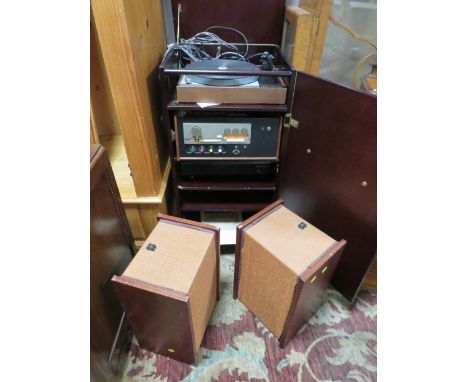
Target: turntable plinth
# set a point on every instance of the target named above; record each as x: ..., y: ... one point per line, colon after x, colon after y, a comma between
x: 268, y: 90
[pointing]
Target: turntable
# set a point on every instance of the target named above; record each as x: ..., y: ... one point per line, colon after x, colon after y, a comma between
x: 221, y: 88
x: 220, y: 79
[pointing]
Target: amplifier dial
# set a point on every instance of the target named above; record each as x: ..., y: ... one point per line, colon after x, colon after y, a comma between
x: 196, y: 133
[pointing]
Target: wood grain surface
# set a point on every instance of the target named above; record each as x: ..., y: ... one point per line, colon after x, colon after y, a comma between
x: 132, y: 31
x: 329, y: 171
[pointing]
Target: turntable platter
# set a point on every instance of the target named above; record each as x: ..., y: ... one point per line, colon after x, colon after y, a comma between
x: 220, y: 79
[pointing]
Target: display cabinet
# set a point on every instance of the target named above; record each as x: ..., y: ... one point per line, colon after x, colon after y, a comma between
x: 223, y: 182
x: 326, y: 170
x: 127, y: 44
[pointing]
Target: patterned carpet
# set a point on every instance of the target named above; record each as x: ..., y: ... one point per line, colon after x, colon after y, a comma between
x: 337, y: 344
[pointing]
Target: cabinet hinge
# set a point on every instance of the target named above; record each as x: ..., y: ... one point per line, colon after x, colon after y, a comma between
x: 173, y: 136
x: 289, y: 121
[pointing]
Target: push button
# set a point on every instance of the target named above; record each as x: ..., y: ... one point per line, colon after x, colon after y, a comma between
x: 151, y: 247
x: 235, y: 151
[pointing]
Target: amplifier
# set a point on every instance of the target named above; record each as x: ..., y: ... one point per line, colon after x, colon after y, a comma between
x: 233, y: 138
x: 251, y: 169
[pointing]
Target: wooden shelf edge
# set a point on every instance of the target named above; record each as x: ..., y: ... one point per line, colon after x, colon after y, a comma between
x: 152, y: 199
x: 142, y: 200
x: 280, y: 108
x: 225, y: 207
x: 139, y: 243
x: 226, y: 186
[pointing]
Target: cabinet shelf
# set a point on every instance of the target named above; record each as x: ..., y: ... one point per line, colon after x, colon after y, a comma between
x: 226, y: 186
x: 224, y: 207
x: 174, y: 105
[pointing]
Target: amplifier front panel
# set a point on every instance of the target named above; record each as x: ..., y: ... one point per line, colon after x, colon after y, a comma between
x: 228, y: 138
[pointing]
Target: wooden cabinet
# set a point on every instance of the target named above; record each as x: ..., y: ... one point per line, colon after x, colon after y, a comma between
x: 170, y: 288
x: 111, y: 252
x: 127, y: 43
x: 328, y: 158
x: 283, y: 267
x: 327, y: 164
x: 306, y: 26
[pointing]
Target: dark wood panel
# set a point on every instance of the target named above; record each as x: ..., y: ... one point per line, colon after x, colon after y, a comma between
x: 266, y: 27
x: 308, y: 296
x: 202, y: 206
x: 159, y: 317
x: 100, y: 167
x: 324, y: 163
x: 226, y: 186
x: 173, y: 105
x: 110, y: 253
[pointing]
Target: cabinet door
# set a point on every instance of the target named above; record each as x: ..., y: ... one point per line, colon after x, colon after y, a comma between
x: 329, y: 171
x: 111, y: 250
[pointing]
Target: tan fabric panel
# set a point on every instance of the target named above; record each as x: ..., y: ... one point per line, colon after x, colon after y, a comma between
x: 279, y: 234
x: 202, y: 294
x: 266, y: 285
x: 175, y: 262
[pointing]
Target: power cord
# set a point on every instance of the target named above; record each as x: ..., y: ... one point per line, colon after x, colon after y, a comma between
x: 192, y: 49
x: 236, y: 31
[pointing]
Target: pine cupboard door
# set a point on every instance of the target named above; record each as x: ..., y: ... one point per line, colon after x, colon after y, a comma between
x: 328, y: 173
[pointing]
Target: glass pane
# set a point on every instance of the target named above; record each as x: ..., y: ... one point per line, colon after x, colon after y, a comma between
x: 341, y: 52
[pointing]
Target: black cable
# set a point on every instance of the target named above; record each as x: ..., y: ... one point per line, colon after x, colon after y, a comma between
x: 189, y: 49
x: 234, y: 30
x: 255, y: 55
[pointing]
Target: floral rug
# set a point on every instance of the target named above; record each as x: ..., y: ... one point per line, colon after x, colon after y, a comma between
x: 337, y: 344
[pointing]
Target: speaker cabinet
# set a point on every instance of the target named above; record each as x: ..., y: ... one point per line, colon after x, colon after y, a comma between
x: 171, y: 286
x: 283, y: 267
